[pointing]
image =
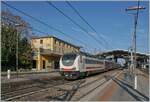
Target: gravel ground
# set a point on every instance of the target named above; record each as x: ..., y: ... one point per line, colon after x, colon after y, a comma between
x: 25, y: 77
x: 46, y: 87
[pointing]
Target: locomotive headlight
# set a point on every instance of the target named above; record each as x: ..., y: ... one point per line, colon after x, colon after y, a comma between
x: 66, y: 75
x: 69, y: 69
x: 74, y: 68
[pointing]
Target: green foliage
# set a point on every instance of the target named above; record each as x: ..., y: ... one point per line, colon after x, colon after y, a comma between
x: 25, y: 57
x: 11, y: 26
x: 8, y: 49
x: 8, y: 43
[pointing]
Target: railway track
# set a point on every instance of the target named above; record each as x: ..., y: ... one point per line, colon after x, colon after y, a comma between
x: 38, y: 86
x: 59, y: 90
x: 37, y: 93
x: 9, y: 87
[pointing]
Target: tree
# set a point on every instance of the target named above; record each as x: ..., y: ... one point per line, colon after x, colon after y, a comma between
x: 9, y: 41
x: 8, y: 47
x: 25, y: 57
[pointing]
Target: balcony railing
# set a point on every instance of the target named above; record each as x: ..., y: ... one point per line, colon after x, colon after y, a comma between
x: 56, y: 51
x: 49, y: 51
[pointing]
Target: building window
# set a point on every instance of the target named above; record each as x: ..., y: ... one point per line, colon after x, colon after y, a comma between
x: 34, y: 41
x: 41, y: 41
x: 44, y: 64
x: 55, y: 41
x: 34, y: 62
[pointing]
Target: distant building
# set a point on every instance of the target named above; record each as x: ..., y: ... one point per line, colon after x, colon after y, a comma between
x: 48, y: 50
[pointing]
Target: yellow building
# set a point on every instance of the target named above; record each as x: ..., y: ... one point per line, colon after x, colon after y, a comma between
x: 48, y: 50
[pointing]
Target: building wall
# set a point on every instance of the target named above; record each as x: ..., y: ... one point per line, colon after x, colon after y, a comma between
x: 51, y: 59
x: 47, y: 43
x: 53, y: 44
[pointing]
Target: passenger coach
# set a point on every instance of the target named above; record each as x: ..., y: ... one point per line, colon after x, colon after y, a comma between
x: 75, y: 65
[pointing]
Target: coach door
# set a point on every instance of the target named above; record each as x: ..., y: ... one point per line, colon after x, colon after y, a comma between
x: 56, y: 64
x: 82, y: 62
x: 44, y: 64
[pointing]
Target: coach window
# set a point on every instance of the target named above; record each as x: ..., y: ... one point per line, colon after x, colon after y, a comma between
x: 81, y: 59
x: 86, y: 61
x: 41, y: 41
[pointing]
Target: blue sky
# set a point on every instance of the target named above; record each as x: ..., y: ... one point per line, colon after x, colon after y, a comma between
x: 108, y: 18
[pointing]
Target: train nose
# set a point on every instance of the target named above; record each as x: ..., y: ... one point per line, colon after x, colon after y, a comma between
x: 66, y: 75
x: 69, y: 69
x: 71, y: 75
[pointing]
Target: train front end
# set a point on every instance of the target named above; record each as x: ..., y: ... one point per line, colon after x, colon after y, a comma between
x: 69, y: 66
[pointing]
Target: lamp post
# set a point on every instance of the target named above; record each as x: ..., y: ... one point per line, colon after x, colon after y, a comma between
x: 17, y: 25
x: 133, y: 56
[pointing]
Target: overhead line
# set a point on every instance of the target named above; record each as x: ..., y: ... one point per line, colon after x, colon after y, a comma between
x: 25, y: 26
x: 76, y: 11
x: 11, y: 22
x: 47, y: 25
x: 86, y: 32
x: 81, y: 16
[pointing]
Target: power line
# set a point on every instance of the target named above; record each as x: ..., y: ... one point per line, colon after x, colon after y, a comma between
x: 25, y: 26
x: 76, y: 11
x: 47, y: 25
x: 86, y: 32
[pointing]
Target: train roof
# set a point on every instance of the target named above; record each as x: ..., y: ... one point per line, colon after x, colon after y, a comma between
x: 86, y: 54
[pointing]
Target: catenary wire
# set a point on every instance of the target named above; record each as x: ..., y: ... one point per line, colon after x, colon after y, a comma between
x: 86, y: 32
x: 76, y: 11
x: 47, y: 25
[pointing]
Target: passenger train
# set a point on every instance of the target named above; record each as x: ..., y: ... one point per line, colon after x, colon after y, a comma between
x: 76, y: 65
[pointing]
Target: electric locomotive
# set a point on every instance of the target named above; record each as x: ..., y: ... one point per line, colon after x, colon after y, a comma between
x: 76, y: 65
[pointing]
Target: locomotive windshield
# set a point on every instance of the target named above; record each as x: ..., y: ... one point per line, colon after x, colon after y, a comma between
x: 68, y: 59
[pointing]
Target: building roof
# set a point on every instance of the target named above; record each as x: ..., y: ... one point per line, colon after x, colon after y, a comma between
x: 122, y: 53
x: 57, y: 39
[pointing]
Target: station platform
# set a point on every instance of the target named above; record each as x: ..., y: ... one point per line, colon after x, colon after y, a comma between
x: 122, y: 88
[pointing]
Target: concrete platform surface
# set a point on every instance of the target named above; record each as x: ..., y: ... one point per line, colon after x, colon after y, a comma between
x: 121, y: 88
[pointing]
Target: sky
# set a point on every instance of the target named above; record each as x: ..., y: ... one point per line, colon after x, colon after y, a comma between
x: 108, y: 18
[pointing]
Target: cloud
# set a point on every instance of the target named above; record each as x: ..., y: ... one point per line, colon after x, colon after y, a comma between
x: 106, y: 38
x: 92, y: 33
x: 79, y: 30
x: 59, y: 25
x: 76, y: 29
x: 141, y: 30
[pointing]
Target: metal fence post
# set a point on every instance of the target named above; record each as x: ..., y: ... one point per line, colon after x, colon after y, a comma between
x: 8, y: 74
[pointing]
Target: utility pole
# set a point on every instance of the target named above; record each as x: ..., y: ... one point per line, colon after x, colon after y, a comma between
x: 132, y: 64
x: 133, y: 55
x: 130, y: 56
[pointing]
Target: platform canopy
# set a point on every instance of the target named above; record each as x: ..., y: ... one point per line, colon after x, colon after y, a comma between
x: 122, y: 54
